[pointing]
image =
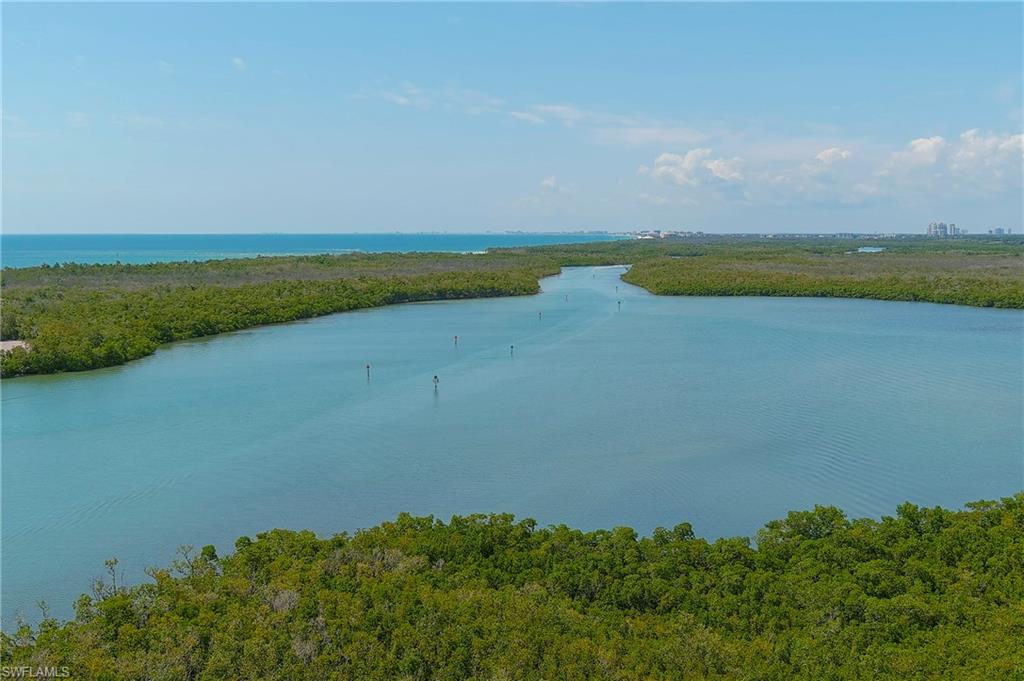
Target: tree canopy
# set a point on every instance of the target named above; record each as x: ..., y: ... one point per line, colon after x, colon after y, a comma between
x: 926, y: 593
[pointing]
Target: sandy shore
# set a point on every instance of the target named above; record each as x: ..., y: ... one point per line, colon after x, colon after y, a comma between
x: 11, y: 344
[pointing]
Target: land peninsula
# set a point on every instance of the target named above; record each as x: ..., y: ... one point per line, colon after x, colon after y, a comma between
x: 75, y: 317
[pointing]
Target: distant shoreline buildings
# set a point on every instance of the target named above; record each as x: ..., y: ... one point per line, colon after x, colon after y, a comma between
x: 935, y: 230
x: 659, y: 234
x: 695, y: 234
x: 942, y: 230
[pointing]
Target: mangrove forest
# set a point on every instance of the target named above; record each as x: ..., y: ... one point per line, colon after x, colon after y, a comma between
x: 926, y: 593
x: 74, y: 317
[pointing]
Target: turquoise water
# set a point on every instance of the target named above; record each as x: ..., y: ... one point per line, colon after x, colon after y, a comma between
x: 26, y: 250
x: 723, y: 412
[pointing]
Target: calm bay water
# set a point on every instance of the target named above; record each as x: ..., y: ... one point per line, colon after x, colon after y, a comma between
x: 26, y: 250
x: 723, y: 412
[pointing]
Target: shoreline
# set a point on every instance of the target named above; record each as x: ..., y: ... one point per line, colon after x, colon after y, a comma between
x: 10, y: 345
x: 83, y: 317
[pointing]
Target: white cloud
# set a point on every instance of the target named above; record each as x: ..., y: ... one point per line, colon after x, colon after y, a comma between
x: 985, y: 164
x: 725, y: 169
x: 239, y: 64
x: 603, y: 127
x: 759, y: 166
x: 680, y: 169
x: 833, y: 155
x: 975, y: 164
x: 921, y: 151
x: 976, y: 151
x: 694, y: 168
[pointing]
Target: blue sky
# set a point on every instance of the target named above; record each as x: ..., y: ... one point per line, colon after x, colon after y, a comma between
x: 474, y: 117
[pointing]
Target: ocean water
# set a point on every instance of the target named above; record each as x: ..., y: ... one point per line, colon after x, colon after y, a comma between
x: 24, y: 250
x: 722, y: 412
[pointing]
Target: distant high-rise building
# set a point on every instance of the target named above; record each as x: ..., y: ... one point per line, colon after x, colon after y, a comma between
x: 941, y: 229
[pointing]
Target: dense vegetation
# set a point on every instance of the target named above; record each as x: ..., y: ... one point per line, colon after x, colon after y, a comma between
x: 895, y: 278
x: 85, y: 317
x: 929, y: 593
x: 77, y: 317
x: 979, y: 272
